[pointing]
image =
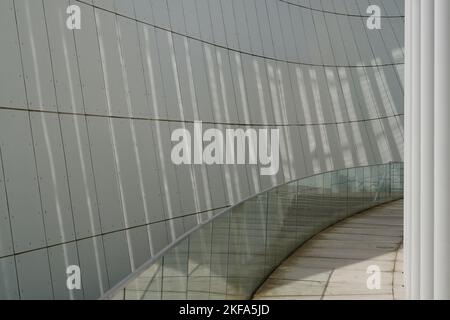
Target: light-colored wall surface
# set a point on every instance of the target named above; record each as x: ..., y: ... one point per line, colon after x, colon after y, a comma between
x: 86, y: 116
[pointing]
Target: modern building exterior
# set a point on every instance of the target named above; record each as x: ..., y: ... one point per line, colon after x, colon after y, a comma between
x: 87, y: 116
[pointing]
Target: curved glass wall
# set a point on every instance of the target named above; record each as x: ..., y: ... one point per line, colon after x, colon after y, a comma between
x: 231, y: 255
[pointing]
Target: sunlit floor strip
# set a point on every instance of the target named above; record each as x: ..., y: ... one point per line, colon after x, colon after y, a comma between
x: 339, y: 262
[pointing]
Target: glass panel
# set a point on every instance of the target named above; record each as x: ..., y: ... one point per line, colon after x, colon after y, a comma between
x: 246, y: 261
x: 219, y: 257
x: 175, y: 271
x: 148, y: 286
x: 231, y: 255
x: 199, y: 264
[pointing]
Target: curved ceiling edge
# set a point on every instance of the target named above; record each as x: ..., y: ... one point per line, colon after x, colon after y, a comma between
x: 373, y: 65
x: 340, y: 13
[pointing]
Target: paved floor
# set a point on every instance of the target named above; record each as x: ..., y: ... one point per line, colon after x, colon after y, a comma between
x: 335, y: 263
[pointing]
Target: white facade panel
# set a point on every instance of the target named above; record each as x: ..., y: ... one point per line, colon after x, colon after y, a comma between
x: 89, y: 180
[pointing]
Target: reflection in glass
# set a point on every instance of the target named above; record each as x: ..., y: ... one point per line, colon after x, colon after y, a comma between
x: 232, y: 254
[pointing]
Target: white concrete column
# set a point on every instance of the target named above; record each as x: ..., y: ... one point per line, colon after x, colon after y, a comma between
x: 442, y: 151
x: 407, y: 156
x: 426, y: 148
x: 415, y: 153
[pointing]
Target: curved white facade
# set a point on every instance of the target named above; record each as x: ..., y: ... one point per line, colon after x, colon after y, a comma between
x: 86, y: 117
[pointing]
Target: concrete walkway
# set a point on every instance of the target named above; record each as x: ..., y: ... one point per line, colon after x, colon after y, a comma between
x: 334, y: 264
